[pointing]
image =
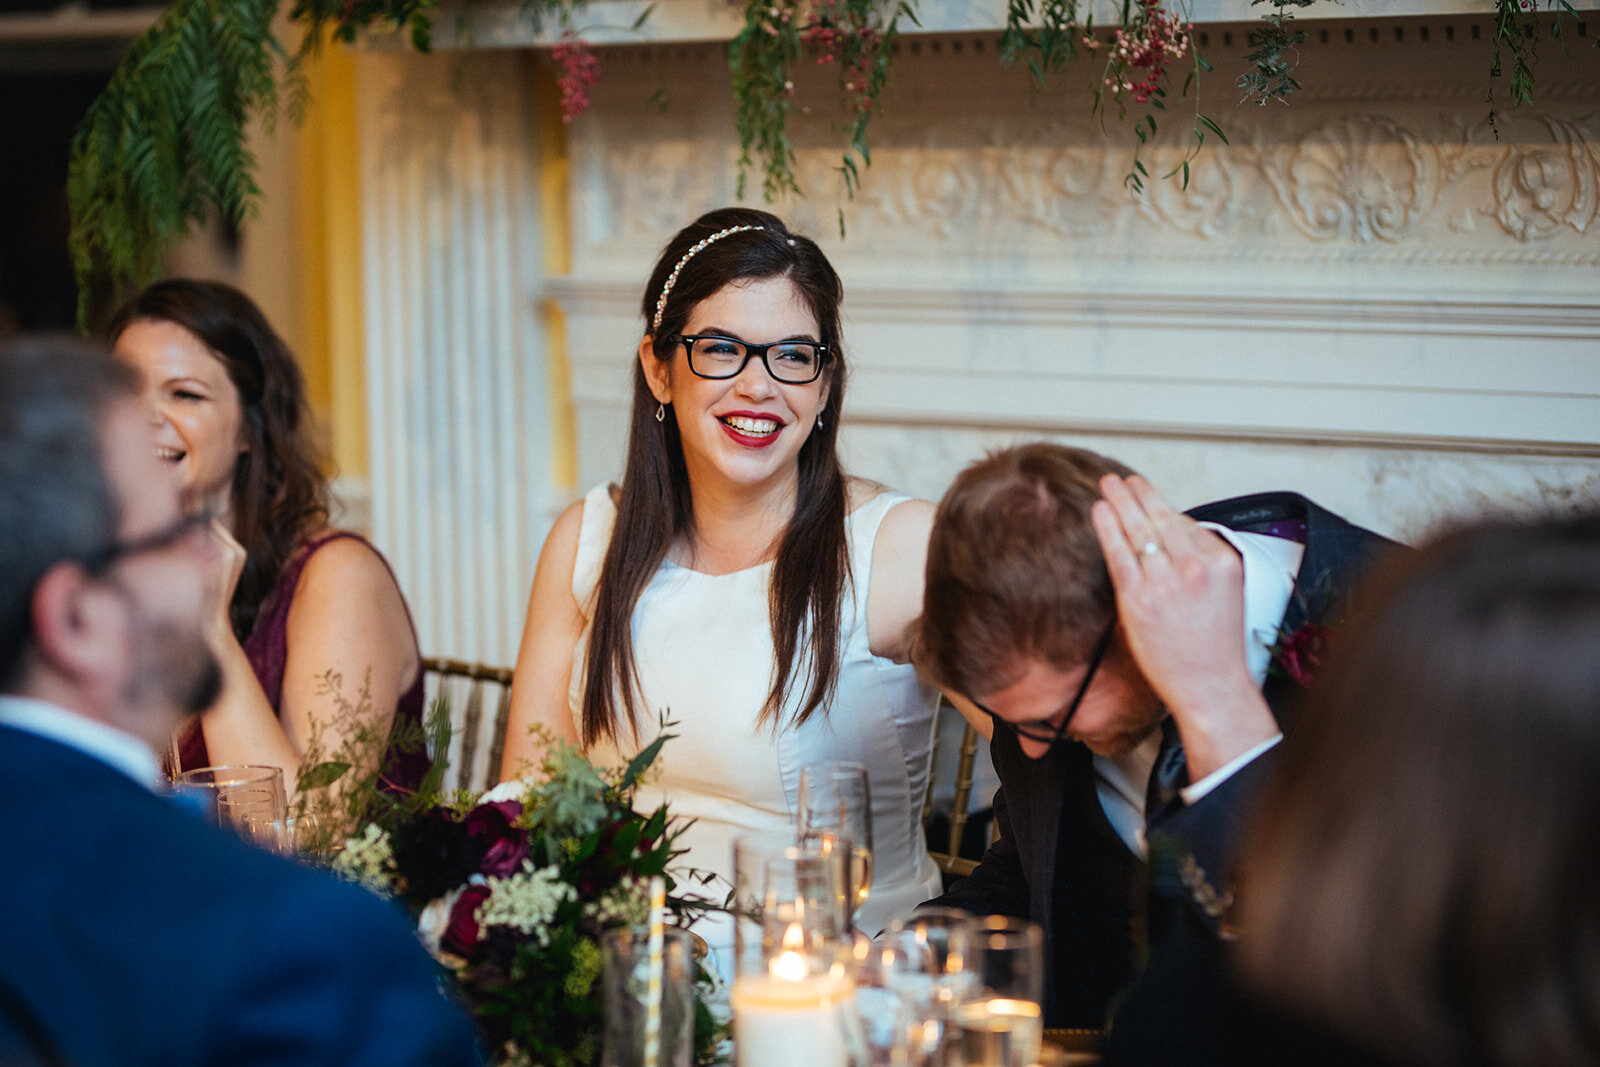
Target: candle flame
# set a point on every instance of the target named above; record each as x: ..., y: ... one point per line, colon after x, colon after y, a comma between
x: 790, y: 964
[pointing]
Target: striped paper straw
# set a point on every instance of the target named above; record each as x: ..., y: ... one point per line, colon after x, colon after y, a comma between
x: 652, y: 1018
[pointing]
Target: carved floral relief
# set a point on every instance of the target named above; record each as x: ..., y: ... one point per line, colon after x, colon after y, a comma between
x: 1364, y: 170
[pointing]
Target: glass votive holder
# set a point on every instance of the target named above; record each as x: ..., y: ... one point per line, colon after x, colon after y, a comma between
x: 648, y: 998
x: 771, y: 873
x: 793, y: 985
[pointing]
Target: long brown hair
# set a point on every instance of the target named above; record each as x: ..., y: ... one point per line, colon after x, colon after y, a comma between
x: 279, y: 490
x: 1423, y: 880
x: 813, y: 561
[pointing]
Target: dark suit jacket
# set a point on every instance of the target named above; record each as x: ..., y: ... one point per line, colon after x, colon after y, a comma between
x: 1188, y: 1010
x: 1058, y: 861
x: 137, y: 934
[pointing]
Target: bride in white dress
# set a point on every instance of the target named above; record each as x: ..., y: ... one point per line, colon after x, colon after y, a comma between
x: 738, y: 580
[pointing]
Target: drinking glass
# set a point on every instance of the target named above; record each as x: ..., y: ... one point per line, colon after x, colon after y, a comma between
x: 288, y: 836
x: 210, y: 784
x: 631, y: 981
x: 925, y: 959
x: 999, y: 1020
x: 770, y: 870
x: 834, y: 813
x: 234, y: 804
x: 882, y: 1031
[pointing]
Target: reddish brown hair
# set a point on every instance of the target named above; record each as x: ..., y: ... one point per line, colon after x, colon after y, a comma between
x: 279, y: 489
x: 1014, y: 568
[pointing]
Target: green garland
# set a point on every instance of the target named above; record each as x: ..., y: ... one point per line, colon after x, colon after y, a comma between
x: 164, y: 145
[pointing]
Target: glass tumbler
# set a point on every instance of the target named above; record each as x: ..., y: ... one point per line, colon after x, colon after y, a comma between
x: 647, y: 1000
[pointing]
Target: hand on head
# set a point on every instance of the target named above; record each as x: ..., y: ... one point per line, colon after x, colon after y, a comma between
x: 1180, y: 605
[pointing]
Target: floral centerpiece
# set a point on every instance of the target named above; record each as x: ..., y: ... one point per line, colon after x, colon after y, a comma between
x: 512, y: 889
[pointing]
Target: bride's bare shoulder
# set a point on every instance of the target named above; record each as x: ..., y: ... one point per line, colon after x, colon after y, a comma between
x: 859, y: 491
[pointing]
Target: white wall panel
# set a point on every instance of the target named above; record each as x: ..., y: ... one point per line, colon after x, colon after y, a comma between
x: 461, y: 489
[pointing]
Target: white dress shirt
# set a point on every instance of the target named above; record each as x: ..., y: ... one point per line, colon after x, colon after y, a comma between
x: 1270, y: 567
x: 111, y: 746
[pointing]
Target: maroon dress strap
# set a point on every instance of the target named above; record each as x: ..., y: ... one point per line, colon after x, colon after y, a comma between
x: 267, y: 649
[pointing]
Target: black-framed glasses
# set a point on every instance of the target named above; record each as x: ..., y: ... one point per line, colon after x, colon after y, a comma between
x: 1050, y: 735
x: 790, y: 362
x: 104, y: 558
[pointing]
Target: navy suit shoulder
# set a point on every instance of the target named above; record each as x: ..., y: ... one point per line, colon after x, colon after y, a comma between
x: 144, y: 935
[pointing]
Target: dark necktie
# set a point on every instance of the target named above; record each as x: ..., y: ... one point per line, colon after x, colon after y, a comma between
x: 1169, y: 774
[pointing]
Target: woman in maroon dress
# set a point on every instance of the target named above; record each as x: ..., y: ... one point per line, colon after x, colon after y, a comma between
x: 316, y: 644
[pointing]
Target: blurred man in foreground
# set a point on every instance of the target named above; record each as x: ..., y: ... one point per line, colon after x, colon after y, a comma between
x: 137, y: 933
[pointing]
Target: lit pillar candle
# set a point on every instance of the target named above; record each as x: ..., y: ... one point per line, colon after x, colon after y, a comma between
x: 789, y: 1017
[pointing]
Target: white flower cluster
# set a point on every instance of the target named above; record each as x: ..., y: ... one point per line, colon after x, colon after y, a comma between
x: 368, y: 859
x: 526, y: 901
x: 626, y: 904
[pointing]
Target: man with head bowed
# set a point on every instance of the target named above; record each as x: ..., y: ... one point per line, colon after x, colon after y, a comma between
x: 1135, y: 667
x: 135, y: 932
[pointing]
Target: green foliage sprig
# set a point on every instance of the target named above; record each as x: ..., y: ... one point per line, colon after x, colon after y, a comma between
x: 762, y: 58
x: 857, y: 35
x: 1518, y: 38
x: 1272, y: 53
x: 1044, y: 37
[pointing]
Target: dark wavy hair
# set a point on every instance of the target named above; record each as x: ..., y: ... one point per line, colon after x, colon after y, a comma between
x: 1423, y: 874
x: 813, y: 560
x: 279, y: 491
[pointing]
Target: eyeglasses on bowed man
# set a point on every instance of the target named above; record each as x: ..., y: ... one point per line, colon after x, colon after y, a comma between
x: 789, y: 362
x: 1040, y: 730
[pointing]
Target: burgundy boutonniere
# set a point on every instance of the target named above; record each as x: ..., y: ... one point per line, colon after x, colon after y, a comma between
x: 1298, y: 654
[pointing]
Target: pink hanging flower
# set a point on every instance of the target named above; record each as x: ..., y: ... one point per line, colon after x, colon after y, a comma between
x: 580, y: 70
x: 1149, y: 43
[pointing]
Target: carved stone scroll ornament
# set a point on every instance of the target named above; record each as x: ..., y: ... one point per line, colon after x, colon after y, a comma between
x: 1540, y: 190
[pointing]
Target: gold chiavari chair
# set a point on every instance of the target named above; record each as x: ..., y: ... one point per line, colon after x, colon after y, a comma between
x: 479, y: 699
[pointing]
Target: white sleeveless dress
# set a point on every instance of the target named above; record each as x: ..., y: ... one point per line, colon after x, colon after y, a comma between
x: 703, y: 644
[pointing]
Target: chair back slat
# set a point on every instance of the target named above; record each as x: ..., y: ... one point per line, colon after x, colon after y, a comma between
x: 474, y: 760
x: 950, y: 860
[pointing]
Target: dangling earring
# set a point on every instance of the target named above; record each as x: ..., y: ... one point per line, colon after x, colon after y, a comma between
x: 661, y: 413
x: 819, y: 422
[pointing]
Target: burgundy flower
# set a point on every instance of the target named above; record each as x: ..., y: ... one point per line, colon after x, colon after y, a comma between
x: 505, y: 846
x: 434, y: 853
x: 1299, y: 654
x: 461, y: 936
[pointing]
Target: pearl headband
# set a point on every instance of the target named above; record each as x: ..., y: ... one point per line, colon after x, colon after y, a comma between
x: 666, y: 290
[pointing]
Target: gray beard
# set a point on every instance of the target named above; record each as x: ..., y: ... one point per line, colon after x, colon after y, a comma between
x: 175, y: 670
